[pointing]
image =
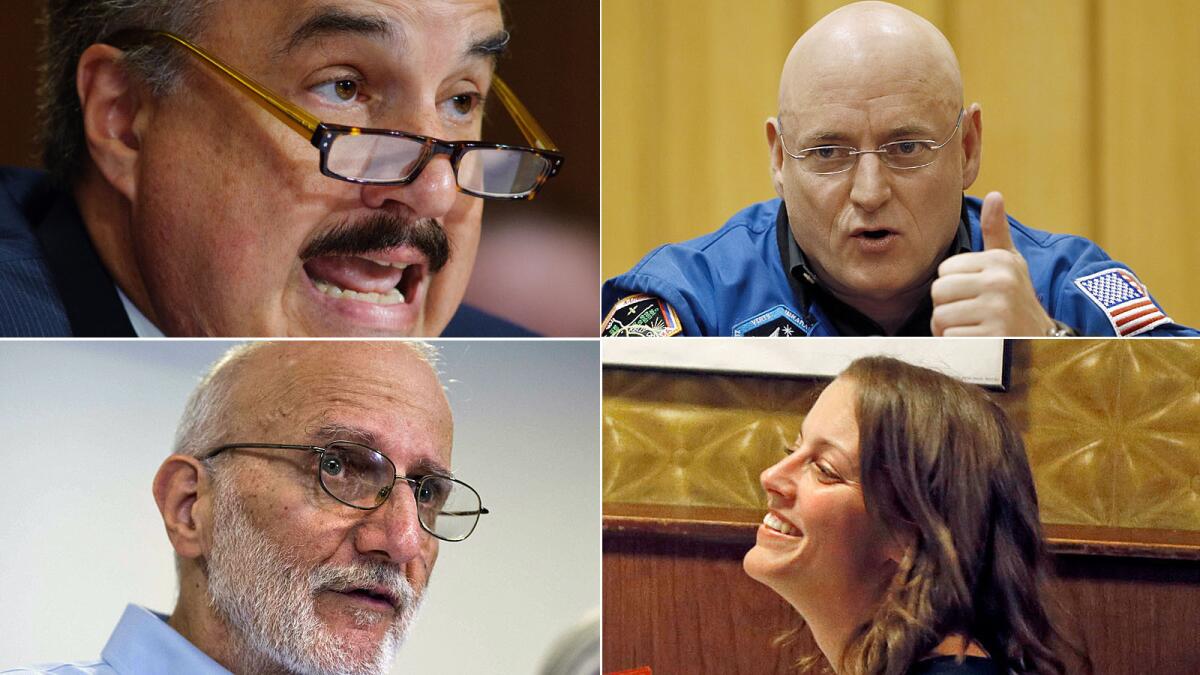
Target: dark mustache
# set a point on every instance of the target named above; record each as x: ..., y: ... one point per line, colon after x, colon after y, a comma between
x: 380, y: 231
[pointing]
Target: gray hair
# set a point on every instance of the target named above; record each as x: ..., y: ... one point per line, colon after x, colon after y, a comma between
x: 71, y: 26
x: 209, y: 408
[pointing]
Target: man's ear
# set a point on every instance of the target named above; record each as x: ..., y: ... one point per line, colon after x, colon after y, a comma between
x: 182, y: 492
x: 972, y: 144
x: 116, y: 111
x: 776, y: 149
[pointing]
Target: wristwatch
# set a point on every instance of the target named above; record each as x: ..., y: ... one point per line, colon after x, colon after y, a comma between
x: 1061, y: 329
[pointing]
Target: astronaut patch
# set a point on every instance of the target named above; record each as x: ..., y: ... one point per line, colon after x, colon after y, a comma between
x: 779, y: 321
x: 1124, y: 300
x: 641, y: 315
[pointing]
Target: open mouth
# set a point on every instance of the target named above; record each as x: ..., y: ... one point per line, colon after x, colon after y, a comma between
x: 774, y: 522
x: 377, y: 597
x: 876, y: 240
x: 373, y: 280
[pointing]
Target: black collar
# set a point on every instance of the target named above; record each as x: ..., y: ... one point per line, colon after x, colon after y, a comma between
x: 87, y: 292
x: 846, y: 320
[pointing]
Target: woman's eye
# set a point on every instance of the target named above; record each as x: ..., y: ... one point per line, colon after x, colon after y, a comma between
x: 338, y: 91
x: 824, y: 473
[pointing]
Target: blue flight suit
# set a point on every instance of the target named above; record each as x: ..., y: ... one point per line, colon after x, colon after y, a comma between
x: 734, y: 282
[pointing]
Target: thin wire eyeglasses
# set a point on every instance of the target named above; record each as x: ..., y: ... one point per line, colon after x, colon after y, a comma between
x: 388, y: 156
x: 825, y: 160
x: 361, y: 477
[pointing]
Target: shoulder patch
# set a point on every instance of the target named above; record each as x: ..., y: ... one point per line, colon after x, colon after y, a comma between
x: 641, y: 315
x: 779, y: 321
x: 1124, y: 300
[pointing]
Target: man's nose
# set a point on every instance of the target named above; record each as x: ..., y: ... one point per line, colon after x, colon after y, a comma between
x: 431, y: 194
x: 872, y: 186
x: 393, y: 529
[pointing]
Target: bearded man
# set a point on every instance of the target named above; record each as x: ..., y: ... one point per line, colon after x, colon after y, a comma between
x: 305, y: 501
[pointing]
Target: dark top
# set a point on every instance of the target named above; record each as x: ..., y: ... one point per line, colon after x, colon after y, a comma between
x: 947, y: 665
x: 53, y: 284
x: 847, y: 320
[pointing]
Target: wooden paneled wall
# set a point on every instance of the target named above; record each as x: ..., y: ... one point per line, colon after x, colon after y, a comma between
x: 1112, y: 429
x: 684, y: 606
x: 1088, y: 117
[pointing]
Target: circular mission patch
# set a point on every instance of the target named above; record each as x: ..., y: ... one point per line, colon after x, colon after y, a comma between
x: 641, y: 315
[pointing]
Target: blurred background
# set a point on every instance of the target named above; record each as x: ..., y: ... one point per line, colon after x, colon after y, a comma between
x: 88, y: 423
x: 1089, y: 119
x: 538, y: 261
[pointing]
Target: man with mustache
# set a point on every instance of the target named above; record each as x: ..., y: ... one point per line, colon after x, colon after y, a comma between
x: 255, y: 168
x: 871, y: 234
x: 305, y: 502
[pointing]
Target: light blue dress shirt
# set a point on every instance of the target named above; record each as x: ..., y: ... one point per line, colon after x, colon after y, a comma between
x: 141, y: 644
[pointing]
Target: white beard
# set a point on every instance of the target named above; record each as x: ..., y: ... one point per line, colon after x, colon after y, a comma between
x: 267, y: 598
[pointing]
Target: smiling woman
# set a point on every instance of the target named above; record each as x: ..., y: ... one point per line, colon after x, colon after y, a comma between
x: 903, y: 528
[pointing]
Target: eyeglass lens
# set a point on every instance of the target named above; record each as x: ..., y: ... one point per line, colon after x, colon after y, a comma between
x: 364, y: 478
x: 898, y: 155
x: 489, y: 171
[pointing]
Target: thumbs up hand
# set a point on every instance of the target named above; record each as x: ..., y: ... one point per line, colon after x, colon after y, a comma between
x: 988, y: 292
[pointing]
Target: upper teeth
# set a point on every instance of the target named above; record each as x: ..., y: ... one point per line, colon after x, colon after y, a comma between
x: 392, y: 297
x: 776, y: 523
x: 385, y: 263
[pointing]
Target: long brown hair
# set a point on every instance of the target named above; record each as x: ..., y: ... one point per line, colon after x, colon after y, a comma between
x: 943, y: 467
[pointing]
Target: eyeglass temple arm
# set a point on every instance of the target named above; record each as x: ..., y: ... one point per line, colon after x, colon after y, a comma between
x: 480, y: 512
x: 533, y: 133
x: 299, y: 119
x: 277, y: 446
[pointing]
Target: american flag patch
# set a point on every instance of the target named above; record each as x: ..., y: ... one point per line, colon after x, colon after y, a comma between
x: 1124, y: 299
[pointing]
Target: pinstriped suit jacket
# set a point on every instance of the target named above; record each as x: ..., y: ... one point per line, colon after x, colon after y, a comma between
x: 52, y: 283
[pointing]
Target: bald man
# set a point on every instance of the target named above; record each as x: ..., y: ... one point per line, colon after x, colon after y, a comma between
x: 872, y: 234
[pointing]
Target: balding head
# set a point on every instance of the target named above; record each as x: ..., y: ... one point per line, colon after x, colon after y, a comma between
x: 252, y: 379
x: 873, y: 47
x: 872, y: 233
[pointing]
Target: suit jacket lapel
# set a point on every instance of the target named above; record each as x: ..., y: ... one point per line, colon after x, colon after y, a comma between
x: 88, y: 293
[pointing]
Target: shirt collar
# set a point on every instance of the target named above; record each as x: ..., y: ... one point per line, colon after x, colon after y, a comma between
x: 143, y: 642
x: 847, y: 320
x: 142, y: 326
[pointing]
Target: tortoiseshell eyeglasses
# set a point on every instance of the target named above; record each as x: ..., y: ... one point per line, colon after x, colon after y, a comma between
x: 391, y: 157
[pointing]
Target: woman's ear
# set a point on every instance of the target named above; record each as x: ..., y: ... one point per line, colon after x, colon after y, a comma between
x: 899, y: 547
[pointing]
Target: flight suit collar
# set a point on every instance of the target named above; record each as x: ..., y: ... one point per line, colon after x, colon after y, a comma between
x: 846, y: 320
